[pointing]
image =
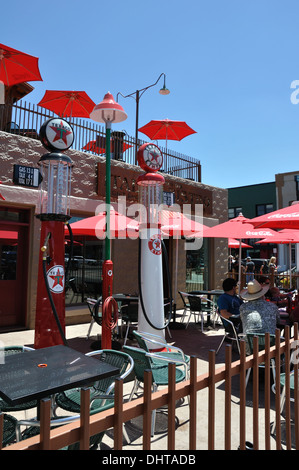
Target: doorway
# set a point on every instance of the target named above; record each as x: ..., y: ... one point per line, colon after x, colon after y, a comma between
x: 13, y: 267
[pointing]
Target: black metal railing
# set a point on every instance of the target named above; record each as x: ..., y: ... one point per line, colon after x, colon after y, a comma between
x: 26, y: 119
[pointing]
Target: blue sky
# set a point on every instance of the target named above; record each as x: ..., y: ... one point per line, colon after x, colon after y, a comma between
x: 229, y: 66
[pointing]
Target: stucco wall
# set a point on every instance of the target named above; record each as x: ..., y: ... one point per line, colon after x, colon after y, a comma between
x: 84, y: 200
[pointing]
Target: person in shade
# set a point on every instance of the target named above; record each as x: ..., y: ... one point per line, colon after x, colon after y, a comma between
x: 229, y: 303
x: 258, y: 315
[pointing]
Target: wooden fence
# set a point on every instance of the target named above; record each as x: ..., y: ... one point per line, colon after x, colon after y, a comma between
x: 81, y: 430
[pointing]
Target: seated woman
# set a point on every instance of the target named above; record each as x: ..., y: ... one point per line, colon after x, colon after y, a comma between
x: 258, y: 315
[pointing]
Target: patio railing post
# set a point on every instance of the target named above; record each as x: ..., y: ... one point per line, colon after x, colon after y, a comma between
x: 84, y: 418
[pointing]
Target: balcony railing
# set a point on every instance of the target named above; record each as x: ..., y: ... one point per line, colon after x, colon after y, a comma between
x: 25, y: 119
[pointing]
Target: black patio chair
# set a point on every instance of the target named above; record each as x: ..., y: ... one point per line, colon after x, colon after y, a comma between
x: 129, y: 316
x: 94, y: 306
x: 230, y: 334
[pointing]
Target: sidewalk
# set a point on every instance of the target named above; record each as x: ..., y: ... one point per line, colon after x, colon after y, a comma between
x: 193, y: 342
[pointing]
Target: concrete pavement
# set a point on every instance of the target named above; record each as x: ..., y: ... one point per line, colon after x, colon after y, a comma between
x: 193, y: 342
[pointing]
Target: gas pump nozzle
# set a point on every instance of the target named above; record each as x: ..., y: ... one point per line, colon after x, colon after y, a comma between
x: 45, y: 245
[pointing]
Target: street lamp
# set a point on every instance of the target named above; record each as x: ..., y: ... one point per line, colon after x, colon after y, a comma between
x: 107, y: 111
x: 136, y: 95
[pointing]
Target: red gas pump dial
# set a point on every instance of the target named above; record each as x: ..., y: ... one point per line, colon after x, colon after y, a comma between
x: 150, y: 157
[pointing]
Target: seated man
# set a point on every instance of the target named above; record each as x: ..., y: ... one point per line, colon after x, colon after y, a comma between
x: 229, y: 303
x: 281, y: 300
x: 258, y: 315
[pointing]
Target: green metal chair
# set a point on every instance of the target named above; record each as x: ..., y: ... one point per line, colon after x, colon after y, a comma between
x: 282, y: 380
x: 144, y: 360
x: 9, y: 429
x: 4, y: 405
x: 101, y: 392
x: 261, y: 340
x: 32, y: 428
x: 172, y: 353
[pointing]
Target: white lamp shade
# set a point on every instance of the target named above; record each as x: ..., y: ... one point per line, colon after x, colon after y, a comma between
x: 108, y: 111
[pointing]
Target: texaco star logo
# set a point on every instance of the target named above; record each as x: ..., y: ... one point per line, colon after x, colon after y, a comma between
x: 56, y: 134
x: 56, y: 279
x: 61, y: 132
x: 154, y: 244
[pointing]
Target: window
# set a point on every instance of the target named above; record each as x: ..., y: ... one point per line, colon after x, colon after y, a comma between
x: 234, y: 212
x: 197, y: 267
x: 84, y: 277
x: 262, y: 209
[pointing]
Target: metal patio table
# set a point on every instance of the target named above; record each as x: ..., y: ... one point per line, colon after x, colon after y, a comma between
x: 43, y: 372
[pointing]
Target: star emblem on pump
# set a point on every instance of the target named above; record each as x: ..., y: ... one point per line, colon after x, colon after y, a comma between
x: 56, y: 279
x: 154, y: 244
x: 61, y: 132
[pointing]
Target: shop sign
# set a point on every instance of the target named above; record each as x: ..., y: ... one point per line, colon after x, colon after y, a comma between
x: 124, y: 183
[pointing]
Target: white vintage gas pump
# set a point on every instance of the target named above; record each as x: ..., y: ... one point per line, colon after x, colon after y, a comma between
x: 53, y: 210
x: 151, y: 295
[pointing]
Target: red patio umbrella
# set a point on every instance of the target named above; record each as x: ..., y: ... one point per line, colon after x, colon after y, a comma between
x: 176, y: 224
x: 241, y: 228
x: 17, y: 67
x: 288, y: 217
x: 284, y: 237
x: 120, y: 226
x: 93, y: 147
x: 166, y: 129
x: 67, y: 103
x: 232, y: 243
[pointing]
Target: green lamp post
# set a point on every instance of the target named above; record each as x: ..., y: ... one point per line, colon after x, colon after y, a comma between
x: 108, y: 111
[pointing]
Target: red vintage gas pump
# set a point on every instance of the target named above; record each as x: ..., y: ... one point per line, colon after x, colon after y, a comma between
x: 151, y: 296
x: 53, y: 210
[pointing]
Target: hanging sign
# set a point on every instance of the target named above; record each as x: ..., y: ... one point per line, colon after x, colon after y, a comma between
x: 27, y: 176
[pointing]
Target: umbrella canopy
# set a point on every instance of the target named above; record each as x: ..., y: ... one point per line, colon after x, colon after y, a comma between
x: 288, y: 217
x: 67, y: 103
x: 17, y: 67
x: 166, y: 129
x: 284, y: 237
x: 93, y: 147
x: 232, y: 243
x: 120, y: 226
x: 176, y: 224
x: 240, y: 227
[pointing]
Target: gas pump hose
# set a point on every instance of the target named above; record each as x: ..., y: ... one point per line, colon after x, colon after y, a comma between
x: 169, y: 288
x: 108, y: 322
x: 70, y: 252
